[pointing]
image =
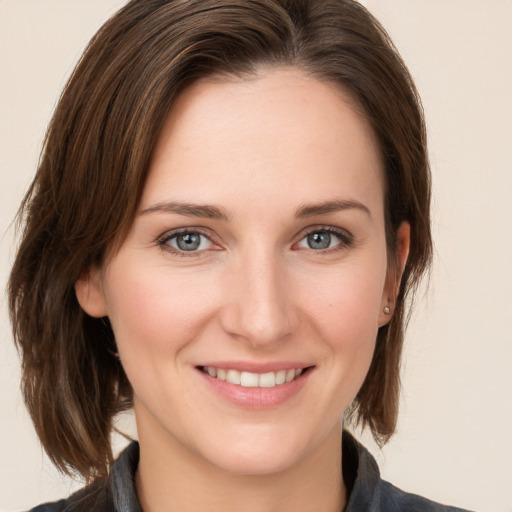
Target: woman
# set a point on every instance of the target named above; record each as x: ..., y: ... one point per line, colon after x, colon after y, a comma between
x: 231, y: 209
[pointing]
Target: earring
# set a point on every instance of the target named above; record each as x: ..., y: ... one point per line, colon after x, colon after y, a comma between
x: 386, y: 310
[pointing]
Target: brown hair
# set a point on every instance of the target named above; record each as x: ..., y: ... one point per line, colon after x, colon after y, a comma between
x: 94, y: 164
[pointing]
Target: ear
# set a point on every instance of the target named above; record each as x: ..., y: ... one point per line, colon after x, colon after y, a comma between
x: 395, y: 271
x: 89, y: 293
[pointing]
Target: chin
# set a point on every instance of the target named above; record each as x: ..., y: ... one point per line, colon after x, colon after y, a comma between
x: 265, y: 452
x: 253, y: 461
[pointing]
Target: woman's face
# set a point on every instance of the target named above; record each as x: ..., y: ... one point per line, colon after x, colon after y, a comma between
x: 258, y: 253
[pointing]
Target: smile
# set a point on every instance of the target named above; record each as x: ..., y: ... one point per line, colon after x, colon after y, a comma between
x: 253, y: 380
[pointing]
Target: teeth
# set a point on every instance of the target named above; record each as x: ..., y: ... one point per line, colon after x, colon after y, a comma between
x: 290, y: 375
x: 249, y: 380
x: 267, y: 380
x: 254, y: 380
x: 280, y: 377
x: 233, y: 377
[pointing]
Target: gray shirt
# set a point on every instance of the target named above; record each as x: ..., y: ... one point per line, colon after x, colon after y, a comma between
x: 367, y: 491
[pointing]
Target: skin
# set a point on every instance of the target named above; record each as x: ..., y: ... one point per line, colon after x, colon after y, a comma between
x: 260, y: 150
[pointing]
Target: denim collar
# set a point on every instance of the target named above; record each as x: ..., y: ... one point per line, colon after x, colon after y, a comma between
x: 360, y: 473
x: 366, y: 490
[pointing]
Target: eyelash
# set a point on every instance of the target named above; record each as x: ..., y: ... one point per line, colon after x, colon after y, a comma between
x: 163, y: 241
x: 346, y: 240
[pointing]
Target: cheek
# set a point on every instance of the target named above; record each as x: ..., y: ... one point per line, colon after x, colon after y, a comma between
x: 157, y: 310
x: 344, y: 310
x: 347, y: 302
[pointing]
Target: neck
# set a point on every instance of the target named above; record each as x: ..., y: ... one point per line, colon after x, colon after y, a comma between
x: 173, y: 479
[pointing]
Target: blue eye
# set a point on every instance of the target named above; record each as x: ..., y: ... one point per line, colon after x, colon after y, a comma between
x: 187, y: 241
x: 323, y: 239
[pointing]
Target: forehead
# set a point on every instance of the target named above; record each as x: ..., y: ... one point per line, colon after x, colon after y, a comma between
x: 280, y: 130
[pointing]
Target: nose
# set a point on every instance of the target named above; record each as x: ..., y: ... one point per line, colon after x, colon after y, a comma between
x: 259, y: 307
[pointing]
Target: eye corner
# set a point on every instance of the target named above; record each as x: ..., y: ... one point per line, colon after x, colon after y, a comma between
x: 324, y: 235
x: 195, y: 242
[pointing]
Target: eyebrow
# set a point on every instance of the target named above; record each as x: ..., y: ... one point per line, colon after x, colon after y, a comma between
x: 312, y: 210
x: 214, y: 212
x: 188, y: 209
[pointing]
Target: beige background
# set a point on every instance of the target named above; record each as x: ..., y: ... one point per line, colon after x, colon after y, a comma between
x: 454, y: 442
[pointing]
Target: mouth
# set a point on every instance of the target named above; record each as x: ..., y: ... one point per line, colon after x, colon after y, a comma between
x: 266, y: 386
x: 254, y: 380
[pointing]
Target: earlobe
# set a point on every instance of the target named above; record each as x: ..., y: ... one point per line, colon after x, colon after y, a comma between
x: 89, y: 293
x: 395, y: 272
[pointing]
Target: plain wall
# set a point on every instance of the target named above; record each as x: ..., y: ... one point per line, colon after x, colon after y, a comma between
x: 454, y: 441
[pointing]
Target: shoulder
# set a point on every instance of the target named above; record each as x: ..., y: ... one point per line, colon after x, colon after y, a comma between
x: 369, y: 493
x: 95, y: 496
x: 56, y: 506
x: 394, y: 499
x: 112, y: 494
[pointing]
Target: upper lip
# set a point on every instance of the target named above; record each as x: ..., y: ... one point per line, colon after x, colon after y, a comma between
x: 255, y: 367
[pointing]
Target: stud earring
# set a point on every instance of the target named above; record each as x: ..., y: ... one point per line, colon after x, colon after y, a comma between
x: 386, y: 310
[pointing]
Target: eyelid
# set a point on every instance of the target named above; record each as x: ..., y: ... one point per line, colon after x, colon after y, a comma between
x: 346, y: 238
x: 163, y: 239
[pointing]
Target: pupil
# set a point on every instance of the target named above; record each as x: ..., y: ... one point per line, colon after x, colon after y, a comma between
x: 319, y: 240
x: 188, y: 241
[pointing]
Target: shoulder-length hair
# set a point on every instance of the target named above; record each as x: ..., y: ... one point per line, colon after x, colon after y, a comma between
x: 94, y: 165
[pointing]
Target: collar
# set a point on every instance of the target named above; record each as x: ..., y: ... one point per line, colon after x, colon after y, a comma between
x: 360, y: 473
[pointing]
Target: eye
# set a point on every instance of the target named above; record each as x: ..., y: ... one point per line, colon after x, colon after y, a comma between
x: 325, y: 238
x: 186, y: 241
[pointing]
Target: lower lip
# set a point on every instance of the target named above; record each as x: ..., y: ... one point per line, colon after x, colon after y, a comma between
x: 256, y: 398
